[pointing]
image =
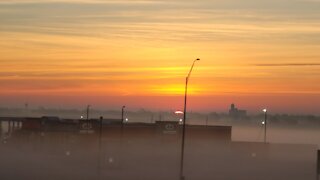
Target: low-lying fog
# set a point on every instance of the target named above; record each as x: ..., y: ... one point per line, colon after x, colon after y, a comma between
x: 143, y: 153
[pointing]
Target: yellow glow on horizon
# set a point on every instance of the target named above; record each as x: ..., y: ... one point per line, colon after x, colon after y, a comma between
x: 173, y: 90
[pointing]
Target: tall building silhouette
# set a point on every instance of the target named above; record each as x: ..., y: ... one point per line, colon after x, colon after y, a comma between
x: 236, y: 113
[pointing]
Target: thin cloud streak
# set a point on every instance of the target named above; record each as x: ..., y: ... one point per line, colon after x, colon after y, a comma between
x: 81, y: 1
x: 289, y: 64
x: 161, y: 22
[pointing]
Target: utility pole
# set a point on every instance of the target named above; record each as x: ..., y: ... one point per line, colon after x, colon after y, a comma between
x: 265, y: 125
x: 88, y: 108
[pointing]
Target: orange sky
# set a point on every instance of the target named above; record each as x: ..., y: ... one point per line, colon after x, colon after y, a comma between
x: 109, y: 53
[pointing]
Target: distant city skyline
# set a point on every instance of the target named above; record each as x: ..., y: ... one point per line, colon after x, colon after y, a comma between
x: 108, y: 53
x: 150, y: 107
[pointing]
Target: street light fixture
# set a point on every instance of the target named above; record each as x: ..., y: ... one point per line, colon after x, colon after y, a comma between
x: 265, y: 124
x: 184, y: 119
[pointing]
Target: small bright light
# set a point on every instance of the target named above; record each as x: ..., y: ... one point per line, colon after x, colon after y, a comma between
x: 180, y: 120
x: 264, y: 110
x: 81, y: 117
x: 178, y: 112
x: 263, y: 123
x: 127, y: 119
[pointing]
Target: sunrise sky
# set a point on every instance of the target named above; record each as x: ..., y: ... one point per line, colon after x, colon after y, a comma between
x: 69, y: 53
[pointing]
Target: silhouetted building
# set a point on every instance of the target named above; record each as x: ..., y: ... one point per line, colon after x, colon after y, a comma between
x: 50, y: 119
x: 167, y: 127
x: 32, y: 124
x: 236, y: 113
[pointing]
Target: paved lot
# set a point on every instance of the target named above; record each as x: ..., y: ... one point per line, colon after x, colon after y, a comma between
x: 141, y: 155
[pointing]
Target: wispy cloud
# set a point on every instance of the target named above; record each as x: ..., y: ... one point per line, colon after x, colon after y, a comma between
x: 288, y: 64
x: 83, y: 1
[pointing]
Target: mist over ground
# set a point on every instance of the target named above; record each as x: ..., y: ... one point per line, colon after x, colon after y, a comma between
x: 282, y: 128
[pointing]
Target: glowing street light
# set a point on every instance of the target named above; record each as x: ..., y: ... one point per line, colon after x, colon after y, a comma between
x: 179, y: 113
x: 184, y: 120
x: 265, y: 125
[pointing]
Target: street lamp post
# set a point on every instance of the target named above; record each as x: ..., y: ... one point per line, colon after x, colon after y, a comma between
x: 184, y: 121
x: 101, y: 119
x: 88, y: 108
x: 122, y: 116
x: 265, y: 125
